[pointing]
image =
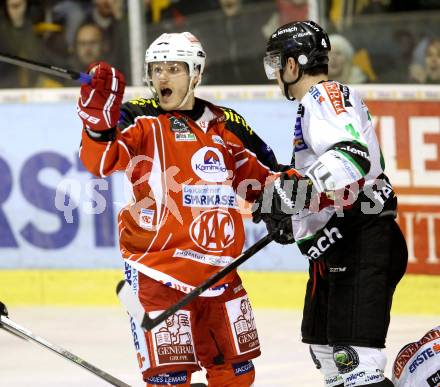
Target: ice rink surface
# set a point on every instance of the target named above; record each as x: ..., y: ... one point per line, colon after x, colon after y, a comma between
x: 102, y: 337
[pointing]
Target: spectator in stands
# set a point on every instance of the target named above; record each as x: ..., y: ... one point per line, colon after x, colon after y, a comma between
x: 172, y: 16
x: 70, y: 14
x: 89, y: 46
x: 394, y: 68
x: 341, y: 67
x: 432, y: 61
x: 429, y: 70
x: 287, y: 10
x: 230, y: 7
x: 233, y: 40
x: 109, y: 15
x: 17, y: 38
x: 56, y: 25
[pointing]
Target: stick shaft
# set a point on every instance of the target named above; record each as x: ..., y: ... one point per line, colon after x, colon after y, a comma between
x: 17, y: 330
x: 149, y: 323
x: 45, y: 68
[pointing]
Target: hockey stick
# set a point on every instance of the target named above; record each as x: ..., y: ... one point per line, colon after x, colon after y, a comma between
x: 45, y: 68
x: 135, y: 309
x: 15, y: 329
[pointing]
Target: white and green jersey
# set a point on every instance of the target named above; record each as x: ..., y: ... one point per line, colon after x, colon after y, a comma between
x: 335, y: 145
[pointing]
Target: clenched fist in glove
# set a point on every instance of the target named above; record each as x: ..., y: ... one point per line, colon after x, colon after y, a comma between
x: 100, y: 101
x: 288, y: 195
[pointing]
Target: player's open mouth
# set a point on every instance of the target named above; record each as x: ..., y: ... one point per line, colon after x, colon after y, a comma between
x: 166, y: 92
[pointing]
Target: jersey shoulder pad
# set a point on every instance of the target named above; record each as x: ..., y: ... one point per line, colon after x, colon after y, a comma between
x: 148, y: 106
x: 237, y: 125
x: 235, y: 122
x: 136, y: 108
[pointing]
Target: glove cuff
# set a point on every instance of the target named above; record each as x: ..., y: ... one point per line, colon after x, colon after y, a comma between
x: 102, y: 135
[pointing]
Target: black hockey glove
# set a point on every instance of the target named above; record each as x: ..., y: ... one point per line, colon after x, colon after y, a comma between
x: 288, y: 195
x: 284, y: 235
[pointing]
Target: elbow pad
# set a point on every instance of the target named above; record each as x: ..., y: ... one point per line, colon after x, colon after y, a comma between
x: 332, y: 171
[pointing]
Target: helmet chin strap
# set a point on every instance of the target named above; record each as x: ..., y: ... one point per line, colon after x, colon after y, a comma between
x: 191, y: 87
x: 287, y: 84
x: 188, y: 93
x: 185, y: 98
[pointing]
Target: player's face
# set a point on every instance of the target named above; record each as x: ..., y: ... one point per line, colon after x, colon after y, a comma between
x: 89, y: 45
x: 105, y: 7
x: 16, y: 10
x: 290, y: 73
x: 171, y: 80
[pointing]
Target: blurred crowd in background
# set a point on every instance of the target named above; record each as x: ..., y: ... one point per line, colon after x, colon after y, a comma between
x: 373, y: 41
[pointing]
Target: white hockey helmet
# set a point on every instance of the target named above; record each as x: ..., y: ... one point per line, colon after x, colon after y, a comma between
x: 177, y: 47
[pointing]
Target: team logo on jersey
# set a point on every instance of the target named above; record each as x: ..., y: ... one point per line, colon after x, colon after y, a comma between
x: 346, y: 358
x: 168, y: 379
x: 203, y: 125
x: 174, y: 343
x: 434, y: 379
x: 243, y: 324
x: 218, y: 140
x: 213, y: 230
x: 346, y: 93
x: 298, y: 142
x: 243, y: 368
x: 208, y: 196
x: 146, y: 218
x: 316, y: 94
x: 185, y: 136
x: 424, y: 356
x: 208, y: 164
x: 335, y: 96
x: 211, y: 158
x: 320, y: 245
x: 178, y: 125
x: 208, y: 259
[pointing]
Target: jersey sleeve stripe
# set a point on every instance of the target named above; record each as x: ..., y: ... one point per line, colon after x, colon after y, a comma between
x: 134, y: 123
x: 107, y: 107
x: 353, y: 161
x: 239, y: 163
x: 102, y: 163
x: 125, y: 147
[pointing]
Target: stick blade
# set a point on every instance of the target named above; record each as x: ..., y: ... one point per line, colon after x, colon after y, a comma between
x: 148, y: 323
x: 131, y: 302
x: 119, y: 286
x: 3, y: 310
x: 133, y: 306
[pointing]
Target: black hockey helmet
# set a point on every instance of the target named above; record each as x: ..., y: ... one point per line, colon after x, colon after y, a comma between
x: 305, y: 41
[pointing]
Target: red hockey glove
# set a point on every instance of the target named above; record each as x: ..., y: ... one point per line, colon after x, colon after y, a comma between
x: 99, y: 102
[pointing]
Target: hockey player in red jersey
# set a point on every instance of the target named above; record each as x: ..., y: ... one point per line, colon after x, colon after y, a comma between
x: 186, y: 159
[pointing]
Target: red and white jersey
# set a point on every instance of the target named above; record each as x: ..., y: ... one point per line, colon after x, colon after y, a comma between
x: 184, y: 223
x: 418, y: 363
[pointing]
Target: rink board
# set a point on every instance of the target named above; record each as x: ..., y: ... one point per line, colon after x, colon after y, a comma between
x: 415, y: 295
x: 47, y: 198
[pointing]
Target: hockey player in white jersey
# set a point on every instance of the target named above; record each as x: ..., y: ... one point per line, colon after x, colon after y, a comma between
x: 342, y: 208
